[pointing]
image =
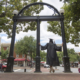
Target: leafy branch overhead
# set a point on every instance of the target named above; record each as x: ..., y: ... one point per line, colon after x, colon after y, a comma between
x: 6, y: 22
x: 71, y: 22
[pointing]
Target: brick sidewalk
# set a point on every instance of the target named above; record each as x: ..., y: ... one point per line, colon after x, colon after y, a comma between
x: 44, y: 75
x: 38, y: 76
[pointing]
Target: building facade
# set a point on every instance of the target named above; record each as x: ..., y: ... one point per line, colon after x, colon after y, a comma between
x: 20, y: 59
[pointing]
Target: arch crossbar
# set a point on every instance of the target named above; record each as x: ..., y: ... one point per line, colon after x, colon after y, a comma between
x: 41, y: 18
x: 39, y: 3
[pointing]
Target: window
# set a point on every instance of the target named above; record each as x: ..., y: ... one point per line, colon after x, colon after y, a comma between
x: 23, y: 55
x: 7, y: 48
x: 17, y: 55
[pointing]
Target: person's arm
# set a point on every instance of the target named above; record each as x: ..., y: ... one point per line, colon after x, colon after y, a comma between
x: 62, y: 45
x: 43, y: 47
x: 58, y: 48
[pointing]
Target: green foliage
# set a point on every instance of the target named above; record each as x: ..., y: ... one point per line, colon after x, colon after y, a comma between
x: 43, y: 55
x: 78, y: 58
x: 6, y: 22
x: 71, y: 51
x: 60, y: 56
x: 72, y: 55
x: 34, y: 54
x: 26, y: 45
x: 4, y: 53
x: 71, y: 22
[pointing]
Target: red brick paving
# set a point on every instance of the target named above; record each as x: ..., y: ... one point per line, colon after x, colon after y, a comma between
x: 40, y: 76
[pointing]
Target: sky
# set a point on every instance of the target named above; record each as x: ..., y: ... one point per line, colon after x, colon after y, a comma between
x: 44, y: 34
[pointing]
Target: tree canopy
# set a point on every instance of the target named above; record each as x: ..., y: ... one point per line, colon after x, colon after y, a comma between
x: 25, y: 46
x: 60, y: 56
x: 43, y: 55
x: 6, y: 23
x: 71, y: 22
x: 73, y: 56
x: 4, y: 53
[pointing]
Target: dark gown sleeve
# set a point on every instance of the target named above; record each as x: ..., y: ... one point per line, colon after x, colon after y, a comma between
x: 58, y: 48
x: 44, y: 47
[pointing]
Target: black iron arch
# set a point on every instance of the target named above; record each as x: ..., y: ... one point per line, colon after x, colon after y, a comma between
x: 39, y: 3
x: 59, y: 17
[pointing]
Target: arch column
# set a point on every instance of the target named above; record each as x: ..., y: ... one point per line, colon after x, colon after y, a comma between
x: 10, y: 60
x: 65, y: 57
x: 37, y: 66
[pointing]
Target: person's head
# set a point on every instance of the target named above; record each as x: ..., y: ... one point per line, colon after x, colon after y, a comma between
x: 51, y: 40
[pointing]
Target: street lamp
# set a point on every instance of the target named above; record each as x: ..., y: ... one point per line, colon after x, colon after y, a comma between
x: 15, y: 12
x: 61, y: 11
x: 10, y: 60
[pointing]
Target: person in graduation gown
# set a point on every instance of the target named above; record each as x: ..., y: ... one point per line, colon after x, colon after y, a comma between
x: 51, y: 58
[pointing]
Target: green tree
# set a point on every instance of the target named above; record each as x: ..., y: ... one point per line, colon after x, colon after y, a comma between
x: 4, y: 53
x: 72, y: 55
x: 26, y: 45
x: 71, y: 22
x: 78, y: 57
x: 6, y: 23
x: 60, y: 56
x: 43, y: 55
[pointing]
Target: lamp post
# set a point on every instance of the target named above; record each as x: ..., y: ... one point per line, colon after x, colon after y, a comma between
x: 65, y: 57
x: 37, y: 66
x: 10, y: 60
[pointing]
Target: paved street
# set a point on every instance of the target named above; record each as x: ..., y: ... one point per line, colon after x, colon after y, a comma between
x: 44, y: 70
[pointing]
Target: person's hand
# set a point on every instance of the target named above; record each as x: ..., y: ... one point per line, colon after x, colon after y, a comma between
x: 39, y: 44
x: 62, y: 44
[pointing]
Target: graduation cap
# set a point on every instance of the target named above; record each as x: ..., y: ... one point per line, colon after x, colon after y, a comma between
x: 51, y: 40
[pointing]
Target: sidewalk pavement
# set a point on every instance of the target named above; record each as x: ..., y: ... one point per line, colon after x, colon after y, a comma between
x: 44, y: 75
x: 46, y: 70
x: 18, y: 67
x: 39, y: 76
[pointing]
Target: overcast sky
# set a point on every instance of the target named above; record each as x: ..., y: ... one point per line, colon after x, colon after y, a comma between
x: 44, y: 34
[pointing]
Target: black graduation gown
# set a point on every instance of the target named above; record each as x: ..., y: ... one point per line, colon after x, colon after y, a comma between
x: 52, y: 58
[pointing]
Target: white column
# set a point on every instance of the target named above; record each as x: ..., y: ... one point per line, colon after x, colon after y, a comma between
x: 17, y: 63
x: 24, y: 63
